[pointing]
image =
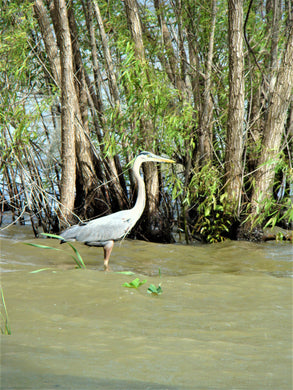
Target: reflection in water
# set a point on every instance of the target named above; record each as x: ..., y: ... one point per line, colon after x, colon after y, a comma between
x: 223, y: 321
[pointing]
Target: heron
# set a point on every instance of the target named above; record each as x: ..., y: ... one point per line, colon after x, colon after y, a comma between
x: 104, y: 231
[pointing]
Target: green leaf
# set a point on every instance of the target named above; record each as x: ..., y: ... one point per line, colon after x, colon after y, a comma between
x: 155, y: 290
x: 42, y: 246
x: 52, y: 236
x: 79, y: 261
x: 6, y: 329
x: 40, y: 270
x: 135, y: 283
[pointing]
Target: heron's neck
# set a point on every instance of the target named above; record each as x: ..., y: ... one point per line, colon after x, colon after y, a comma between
x: 141, y: 197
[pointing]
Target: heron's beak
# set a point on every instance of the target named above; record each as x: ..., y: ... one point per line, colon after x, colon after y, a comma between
x: 163, y: 159
x: 167, y: 160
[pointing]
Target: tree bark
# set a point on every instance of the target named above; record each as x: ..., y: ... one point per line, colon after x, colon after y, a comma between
x: 108, y: 59
x: 234, y: 140
x: 49, y: 40
x: 134, y: 24
x: 68, y: 156
x: 273, y: 131
x: 90, y: 199
x: 171, y: 63
x: 205, y: 126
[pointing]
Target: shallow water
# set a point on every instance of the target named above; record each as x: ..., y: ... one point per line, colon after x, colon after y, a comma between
x: 223, y: 321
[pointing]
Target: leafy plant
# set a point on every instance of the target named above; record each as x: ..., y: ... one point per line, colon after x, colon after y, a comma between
x: 155, y: 290
x: 276, y: 210
x: 77, y: 258
x: 212, y: 219
x: 5, y: 329
x: 135, y: 283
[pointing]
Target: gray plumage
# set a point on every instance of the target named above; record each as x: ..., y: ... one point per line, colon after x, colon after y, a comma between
x: 105, y: 230
x: 111, y: 227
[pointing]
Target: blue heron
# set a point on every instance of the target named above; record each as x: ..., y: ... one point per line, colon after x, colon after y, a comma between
x: 103, y: 231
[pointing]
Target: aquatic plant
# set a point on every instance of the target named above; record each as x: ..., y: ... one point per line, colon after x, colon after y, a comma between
x: 125, y: 272
x: 135, y: 283
x: 155, y: 290
x: 77, y: 258
x: 5, y: 329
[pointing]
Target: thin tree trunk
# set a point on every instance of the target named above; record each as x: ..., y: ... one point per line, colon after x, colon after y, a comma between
x: 108, y: 58
x: 205, y: 127
x: 134, y: 24
x: 68, y: 156
x: 49, y: 40
x: 91, y: 197
x: 95, y: 95
x: 234, y: 141
x: 171, y: 63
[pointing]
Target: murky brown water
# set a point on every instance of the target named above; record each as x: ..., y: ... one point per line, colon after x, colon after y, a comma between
x: 223, y: 321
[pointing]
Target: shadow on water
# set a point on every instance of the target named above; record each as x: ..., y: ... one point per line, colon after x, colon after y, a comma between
x: 30, y: 379
x: 223, y: 321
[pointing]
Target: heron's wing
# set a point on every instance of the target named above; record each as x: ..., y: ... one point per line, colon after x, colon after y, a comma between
x: 110, y: 227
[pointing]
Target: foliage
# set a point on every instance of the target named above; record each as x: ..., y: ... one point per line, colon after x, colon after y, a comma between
x: 271, y: 212
x: 152, y: 289
x: 77, y: 258
x: 5, y: 328
x: 207, y: 197
x: 155, y: 290
x: 160, y: 107
x: 135, y: 283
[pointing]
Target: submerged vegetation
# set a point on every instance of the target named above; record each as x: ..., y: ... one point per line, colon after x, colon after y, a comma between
x: 5, y: 326
x: 155, y: 290
x: 135, y: 283
x: 77, y: 258
x: 86, y: 85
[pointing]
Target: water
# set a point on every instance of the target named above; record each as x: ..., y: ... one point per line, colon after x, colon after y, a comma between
x: 223, y: 321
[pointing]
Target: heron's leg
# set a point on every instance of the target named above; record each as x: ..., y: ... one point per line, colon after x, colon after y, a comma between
x: 107, y: 253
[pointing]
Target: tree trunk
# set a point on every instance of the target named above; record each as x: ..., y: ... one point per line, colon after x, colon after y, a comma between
x: 206, y: 125
x: 273, y: 131
x: 153, y: 222
x: 234, y: 141
x: 134, y: 24
x: 68, y: 156
x: 90, y: 200
x: 108, y: 58
x: 49, y: 40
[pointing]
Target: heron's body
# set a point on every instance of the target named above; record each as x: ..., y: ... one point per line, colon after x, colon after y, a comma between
x: 105, y: 230
x: 101, y: 229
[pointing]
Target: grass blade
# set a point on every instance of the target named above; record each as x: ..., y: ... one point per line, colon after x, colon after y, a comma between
x: 52, y: 236
x: 4, y: 316
x: 79, y: 261
x: 42, y: 246
x: 40, y: 270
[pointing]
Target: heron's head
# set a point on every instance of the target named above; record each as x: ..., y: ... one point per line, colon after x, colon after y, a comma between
x: 148, y: 156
